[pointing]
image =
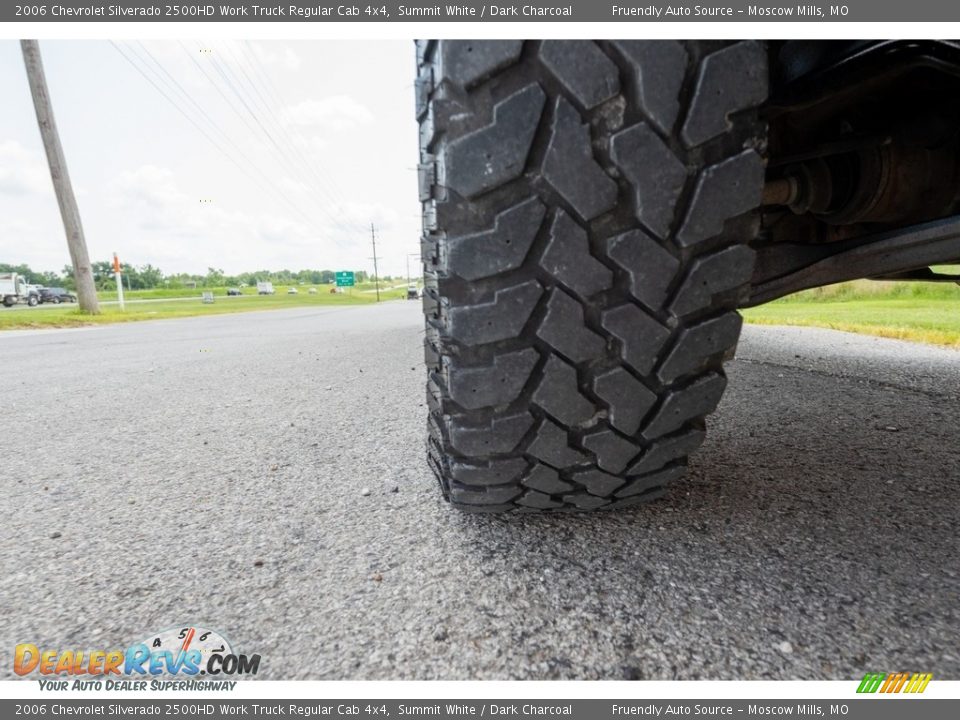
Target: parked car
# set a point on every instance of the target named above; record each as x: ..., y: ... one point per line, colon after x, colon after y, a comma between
x: 312, y: 291
x: 292, y: 291
x: 234, y: 291
x: 413, y: 292
x: 56, y: 295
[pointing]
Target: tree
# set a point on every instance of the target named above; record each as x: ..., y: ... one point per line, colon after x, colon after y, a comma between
x: 103, y: 274
x: 23, y: 270
x: 150, y: 276
x: 49, y: 279
x: 214, y: 278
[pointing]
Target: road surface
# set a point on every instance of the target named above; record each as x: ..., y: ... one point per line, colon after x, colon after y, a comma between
x: 213, y: 470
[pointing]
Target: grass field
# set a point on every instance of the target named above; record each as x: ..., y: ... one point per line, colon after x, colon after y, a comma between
x: 161, y: 293
x: 921, y: 312
x: 148, y: 305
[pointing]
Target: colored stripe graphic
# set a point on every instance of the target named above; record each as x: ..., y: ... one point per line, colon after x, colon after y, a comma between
x: 895, y: 682
x: 870, y: 683
x: 919, y: 682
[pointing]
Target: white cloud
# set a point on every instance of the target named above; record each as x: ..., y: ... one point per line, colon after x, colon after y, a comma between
x: 172, y: 229
x: 285, y: 57
x: 143, y: 198
x: 148, y: 186
x: 297, y: 187
x: 337, y: 112
x: 22, y: 172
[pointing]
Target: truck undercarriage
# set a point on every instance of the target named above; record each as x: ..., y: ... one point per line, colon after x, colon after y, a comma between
x: 863, y: 171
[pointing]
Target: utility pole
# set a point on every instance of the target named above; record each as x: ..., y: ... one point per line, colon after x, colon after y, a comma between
x: 376, y: 277
x: 410, y: 255
x: 82, y: 272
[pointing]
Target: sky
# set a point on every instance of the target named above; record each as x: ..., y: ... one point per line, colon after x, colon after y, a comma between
x: 280, y: 155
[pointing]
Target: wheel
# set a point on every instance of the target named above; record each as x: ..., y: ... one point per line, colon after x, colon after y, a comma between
x: 8, y: 301
x: 32, y: 301
x: 586, y: 213
x: 56, y: 300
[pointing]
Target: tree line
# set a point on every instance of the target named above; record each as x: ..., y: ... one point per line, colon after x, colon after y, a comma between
x: 145, y: 277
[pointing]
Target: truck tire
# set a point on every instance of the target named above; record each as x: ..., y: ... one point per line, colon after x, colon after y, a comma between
x: 586, y: 213
x: 32, y: 301
x: 8, y: 301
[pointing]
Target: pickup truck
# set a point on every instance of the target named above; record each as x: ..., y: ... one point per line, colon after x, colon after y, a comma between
x: 15, y: 289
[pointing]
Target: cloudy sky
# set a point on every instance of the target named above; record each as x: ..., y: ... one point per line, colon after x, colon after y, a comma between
x: 273, y: 154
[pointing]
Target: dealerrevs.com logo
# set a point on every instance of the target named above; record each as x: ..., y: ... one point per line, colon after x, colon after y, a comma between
x: 187, y: 652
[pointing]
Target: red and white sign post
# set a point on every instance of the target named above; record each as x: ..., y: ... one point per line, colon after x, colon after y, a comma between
x: 119, y: 278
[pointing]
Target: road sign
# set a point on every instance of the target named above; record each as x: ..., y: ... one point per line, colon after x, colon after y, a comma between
x: 344, y: 278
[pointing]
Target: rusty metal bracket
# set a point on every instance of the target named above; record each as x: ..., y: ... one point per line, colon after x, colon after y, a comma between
x: 785, y: 269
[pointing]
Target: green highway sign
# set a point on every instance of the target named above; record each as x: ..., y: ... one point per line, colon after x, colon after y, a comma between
x: 344, y: 278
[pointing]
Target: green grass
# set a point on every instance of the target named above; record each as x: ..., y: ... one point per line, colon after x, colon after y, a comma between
x: 160, y: 293
x: 69, y: 315
x: 921, y: 312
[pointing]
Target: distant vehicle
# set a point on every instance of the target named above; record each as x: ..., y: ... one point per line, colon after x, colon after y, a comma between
x: 292, y: 291
x: 234, y: 291
x: 312, y: 291
x: 265, y: 288
x: 14, y: 289
x: 413, y: 292
x: 56, y: 295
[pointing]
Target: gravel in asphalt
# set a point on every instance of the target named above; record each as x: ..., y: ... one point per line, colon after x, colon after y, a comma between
x: 263, y: 474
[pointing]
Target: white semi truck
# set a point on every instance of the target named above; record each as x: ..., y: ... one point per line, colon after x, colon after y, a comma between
x: 15, y: 289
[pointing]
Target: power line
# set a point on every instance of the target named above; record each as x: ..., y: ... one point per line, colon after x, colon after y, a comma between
x: 175, y: 83
x: 284, y: 155
x: 281, y: 130
x: 326, y: 214
x: 263, y: 183
x: 271, y: 88
x: 328, y: 190
x: 376, y: 277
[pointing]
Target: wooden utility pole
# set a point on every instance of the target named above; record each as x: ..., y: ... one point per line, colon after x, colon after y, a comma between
x: 82, y: 271
x: 376, y: 277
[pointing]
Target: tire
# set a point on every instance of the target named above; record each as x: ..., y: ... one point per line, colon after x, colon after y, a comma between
x: 586, y: 214
x: 56, y: 301
x: 32, y: 301
x: 8, y: 301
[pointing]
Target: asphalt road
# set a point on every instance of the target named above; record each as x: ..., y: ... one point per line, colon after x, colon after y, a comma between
x: 212, y: 471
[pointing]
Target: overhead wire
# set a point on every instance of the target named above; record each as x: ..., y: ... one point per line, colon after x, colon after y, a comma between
x: 284, y: 155
x: 262, y: 180
x: 271, y: 88
x: 328, y: 188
